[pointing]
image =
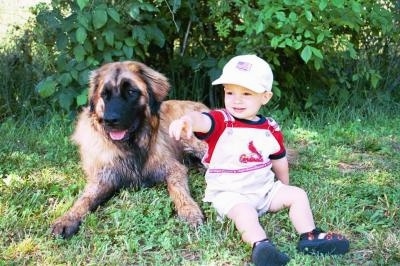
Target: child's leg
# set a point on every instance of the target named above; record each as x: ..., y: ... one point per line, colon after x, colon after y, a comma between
x: 246, y: 220
x: 264, y: 252
x: 296, y: 200
x: 312, y: 240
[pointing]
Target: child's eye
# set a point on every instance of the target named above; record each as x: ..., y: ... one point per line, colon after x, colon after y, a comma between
x: 247, y: 94
x: 228, y: 92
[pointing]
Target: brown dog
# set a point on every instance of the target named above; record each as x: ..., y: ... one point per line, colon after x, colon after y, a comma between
x: 124, y: 142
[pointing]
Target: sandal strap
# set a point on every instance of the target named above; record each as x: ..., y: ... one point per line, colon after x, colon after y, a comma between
x: 263, y: 240
x: 315, y: 233
x: 311, y: 235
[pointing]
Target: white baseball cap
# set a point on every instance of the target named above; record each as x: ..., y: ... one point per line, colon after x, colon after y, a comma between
x: 249, y: 71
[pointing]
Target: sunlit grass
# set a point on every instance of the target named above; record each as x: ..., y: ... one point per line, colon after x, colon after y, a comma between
x: 349, y: 170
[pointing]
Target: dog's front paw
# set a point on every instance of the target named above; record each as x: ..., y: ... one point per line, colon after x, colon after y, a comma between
x: 65, y: 227
x: 191, y: 214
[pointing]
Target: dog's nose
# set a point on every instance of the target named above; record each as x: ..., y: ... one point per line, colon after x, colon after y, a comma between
x: 111, y: 120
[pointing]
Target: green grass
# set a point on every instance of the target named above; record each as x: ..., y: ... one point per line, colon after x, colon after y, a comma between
x: 348, y: 162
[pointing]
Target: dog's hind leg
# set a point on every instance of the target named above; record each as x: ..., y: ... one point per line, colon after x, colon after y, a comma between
x: 178, y: 188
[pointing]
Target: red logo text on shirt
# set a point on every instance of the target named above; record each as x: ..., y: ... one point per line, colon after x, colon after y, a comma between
x: 253, y: 156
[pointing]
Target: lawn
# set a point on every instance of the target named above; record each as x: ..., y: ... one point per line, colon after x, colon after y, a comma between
x: 348, y: 161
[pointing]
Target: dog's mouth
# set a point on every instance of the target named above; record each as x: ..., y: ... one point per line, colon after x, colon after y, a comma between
x: 117, y: 134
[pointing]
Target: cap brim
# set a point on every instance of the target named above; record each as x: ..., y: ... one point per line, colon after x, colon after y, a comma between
x: 245, y: 84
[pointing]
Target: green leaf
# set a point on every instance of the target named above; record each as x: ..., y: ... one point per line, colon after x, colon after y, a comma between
x: 275, y: 41
x: 81, y: 99
x: 375, y: 78
x: 82, y: 3
x: 356, y: 7
x: 100, y: 44
x: 306, y: 53
x: 83, y: 19
x: 260, y: 26
x: 118, y: 45
x: 293, y: 17
x: 79, y: 53
x: 114, y: 14
x: 309, y: 15
x: 338, y: 3
x: 74, y: 74
x: 318, y: 64
x: 320, y: 37
x: 91, y: 61
x: 61, y: 41
x: 289, y: 42
x: 323, y: 4
x: 176, y: 5
x: 317, y: 52
x: 46, y: 87
x: 139, y: 34
x: 309, y: 102
x: 281, y: 16
x: 129, y: 41
x: 88, y: 47
x: 308, y: 34
x: 134, y: 12
x: 156, y: 34
x: 64, y: 79
x: 277, y: 91
x: 297, y: 45
x: 84, y: 77
x: 128, y: 51
x: 353, y: 52
x: 148, y: 7
x: 109, y: 36
x: 66, y: 98
x: 99, y: 18
x: 81, y: 35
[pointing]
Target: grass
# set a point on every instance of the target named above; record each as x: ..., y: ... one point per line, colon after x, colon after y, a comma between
x: 348, y: 163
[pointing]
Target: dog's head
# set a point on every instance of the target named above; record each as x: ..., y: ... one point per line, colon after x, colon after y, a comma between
x: 124, y: 95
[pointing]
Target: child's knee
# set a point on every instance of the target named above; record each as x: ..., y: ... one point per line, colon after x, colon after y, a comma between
x: 300, y: 194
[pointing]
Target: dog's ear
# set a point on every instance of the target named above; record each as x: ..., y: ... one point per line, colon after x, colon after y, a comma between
x: 156, y: 82
x: 93, y: 94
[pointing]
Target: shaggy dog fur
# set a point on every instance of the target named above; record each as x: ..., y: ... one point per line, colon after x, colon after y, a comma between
x: 123, y: 141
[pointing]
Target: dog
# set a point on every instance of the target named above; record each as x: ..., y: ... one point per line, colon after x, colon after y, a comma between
x: 123, y: 142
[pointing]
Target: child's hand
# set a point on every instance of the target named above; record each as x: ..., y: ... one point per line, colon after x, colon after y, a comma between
x: 179, y: 127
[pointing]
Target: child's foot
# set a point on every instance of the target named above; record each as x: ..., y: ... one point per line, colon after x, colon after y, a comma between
x: 320, y: 242
x: 265, y: 254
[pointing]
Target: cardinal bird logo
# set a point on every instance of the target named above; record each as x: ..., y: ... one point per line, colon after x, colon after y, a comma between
x: 253, y: 156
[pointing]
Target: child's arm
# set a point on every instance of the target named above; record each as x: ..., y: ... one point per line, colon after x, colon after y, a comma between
x: 281, y: 169
x: 189, y: 123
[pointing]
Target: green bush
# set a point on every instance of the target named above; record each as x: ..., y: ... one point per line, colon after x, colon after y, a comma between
x: 322, y: 53
x: 22, y: 65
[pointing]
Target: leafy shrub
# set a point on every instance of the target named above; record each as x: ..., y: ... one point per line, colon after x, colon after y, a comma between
x: 320, y: 51
x: 22, y: 64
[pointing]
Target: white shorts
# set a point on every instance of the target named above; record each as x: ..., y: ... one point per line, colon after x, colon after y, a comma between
x: 224, y: 201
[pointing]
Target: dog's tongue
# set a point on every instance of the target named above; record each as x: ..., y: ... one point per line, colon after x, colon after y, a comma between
x: 117, y: 135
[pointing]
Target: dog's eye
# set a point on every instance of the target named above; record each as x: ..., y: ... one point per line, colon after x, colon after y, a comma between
x: 106, y: 93
x: 131, y: 92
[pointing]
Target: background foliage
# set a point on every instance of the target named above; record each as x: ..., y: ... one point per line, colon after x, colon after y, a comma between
x: 348, y: 143
x: 322, y: 52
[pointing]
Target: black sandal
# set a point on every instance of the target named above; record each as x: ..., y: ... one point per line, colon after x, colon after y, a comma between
x: 332, y: 243
x: 264, y: 253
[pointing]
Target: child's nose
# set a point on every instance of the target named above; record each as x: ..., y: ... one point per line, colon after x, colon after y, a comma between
x: 237, y: 98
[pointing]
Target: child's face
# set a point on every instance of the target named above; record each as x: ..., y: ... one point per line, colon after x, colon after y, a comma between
x: 244, y: 103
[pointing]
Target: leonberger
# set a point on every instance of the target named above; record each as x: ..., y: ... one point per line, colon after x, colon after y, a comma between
x: 123, y: 141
